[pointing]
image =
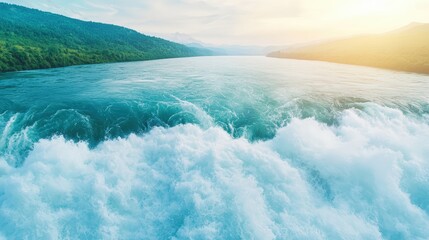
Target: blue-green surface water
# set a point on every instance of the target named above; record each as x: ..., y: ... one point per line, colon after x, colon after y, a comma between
x: 214, y: 148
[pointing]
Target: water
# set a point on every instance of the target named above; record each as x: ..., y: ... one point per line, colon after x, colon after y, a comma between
x: 214, y: 148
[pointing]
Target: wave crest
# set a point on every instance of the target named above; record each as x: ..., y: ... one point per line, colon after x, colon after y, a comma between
x: 363, y: 178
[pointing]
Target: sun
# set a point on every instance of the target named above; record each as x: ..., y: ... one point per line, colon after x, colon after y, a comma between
x: 374, y: 5
x: 366, y: 7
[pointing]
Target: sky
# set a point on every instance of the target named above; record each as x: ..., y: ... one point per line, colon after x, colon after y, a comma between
x: 245, y: 22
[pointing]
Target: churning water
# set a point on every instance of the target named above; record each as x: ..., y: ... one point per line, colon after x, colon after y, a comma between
x: 214, y: 148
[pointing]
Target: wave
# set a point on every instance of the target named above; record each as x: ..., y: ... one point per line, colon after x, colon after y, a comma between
x: 94, y: 122
x: 364, y: 177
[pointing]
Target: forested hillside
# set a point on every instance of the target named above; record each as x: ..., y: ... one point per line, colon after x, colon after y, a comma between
x: 32, y: 39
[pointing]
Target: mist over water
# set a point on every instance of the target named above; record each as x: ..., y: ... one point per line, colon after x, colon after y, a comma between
x: 214, y: 148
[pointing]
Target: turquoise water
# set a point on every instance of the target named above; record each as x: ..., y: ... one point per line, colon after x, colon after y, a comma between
x: 214, y: 148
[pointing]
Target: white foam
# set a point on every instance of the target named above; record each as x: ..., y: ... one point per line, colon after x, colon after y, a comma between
x: 366, y: 178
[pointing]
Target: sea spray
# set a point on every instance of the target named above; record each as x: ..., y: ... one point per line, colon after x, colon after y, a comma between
x: 187, y: 182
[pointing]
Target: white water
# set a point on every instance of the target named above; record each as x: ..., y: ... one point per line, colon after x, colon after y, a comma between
x: 366, y: 177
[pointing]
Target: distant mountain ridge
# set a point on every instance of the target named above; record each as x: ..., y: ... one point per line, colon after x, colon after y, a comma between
x: 32, y: 39
x: 221, y: 49
x: 404, y: 49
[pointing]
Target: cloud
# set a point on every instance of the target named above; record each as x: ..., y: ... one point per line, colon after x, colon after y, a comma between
x: 245, y: 21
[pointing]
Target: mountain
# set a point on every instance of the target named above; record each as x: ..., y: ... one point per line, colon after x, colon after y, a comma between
x: 32, y: 39
x: 180, y: 38
x: 404, y: 49
x: 220, y: 49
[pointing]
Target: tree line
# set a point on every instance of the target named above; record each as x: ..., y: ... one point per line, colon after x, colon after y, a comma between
x: 32, y: 39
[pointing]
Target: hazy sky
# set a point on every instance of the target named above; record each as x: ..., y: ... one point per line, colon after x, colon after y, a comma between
x: 254, y: 22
